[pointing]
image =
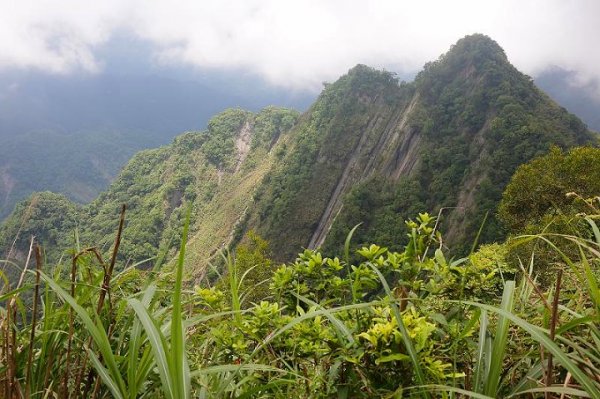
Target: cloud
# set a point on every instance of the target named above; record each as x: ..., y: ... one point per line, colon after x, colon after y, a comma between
x: 299, y: 44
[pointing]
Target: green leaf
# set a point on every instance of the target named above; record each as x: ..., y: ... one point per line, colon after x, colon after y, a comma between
x: 500, y: 340
x: 104, y: 375
x: 414, y: 357
x: 396, y: 357
x: 542, y: 338
x: 96, y: 331
x: 179, y: 367
x: 484, y: 354
x: 347, y: 243
x: 159, y: 347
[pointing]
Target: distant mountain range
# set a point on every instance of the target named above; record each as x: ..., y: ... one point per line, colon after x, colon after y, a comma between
x: 369, y: 150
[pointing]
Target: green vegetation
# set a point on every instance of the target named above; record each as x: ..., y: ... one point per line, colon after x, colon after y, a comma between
x: 77, y: 164
x: 50, y: 218
x: 299, y: 187
x: 549, y: 194
x: 157, y: 185
x: 381, y: 207
x: 503, y: 122
x: 230, y: 313
x: 406, y: 323
x: 222, y: 129
x: 369, y: 150
x: 269, y: 124
x: 373, y: 150
x: 536, y: 192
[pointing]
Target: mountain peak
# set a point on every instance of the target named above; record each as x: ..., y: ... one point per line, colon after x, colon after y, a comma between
x: 364, y: 79
x: 477, y: 45
x: 470, y: 54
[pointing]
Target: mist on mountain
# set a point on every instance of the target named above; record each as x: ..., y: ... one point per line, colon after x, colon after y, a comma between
x: 73, y: 133
x: 581, y: 99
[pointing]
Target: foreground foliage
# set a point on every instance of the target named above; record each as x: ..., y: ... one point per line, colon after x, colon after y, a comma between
x: 371, y: 323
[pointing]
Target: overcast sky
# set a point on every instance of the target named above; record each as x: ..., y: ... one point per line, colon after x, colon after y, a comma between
x: 298, y: 44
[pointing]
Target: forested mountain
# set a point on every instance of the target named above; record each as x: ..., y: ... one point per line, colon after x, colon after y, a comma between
x: 73, y: 134
x: 373, y: 151
x: 216, y: 170
x: 370, y: 150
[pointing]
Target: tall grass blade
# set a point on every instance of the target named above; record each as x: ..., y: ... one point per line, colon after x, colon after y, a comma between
x: 34, y: 312
x: 500, y: 341
x: 234, y: 288
x: 595, y: 229
x: 159, y: 347
x: 347, y: 243
x: 476, y: 241
x: 104, y: 375
x: 484, y: 352
x: 577, y: 393
x: 96, y: 331
x: 136, y: 372
x: 529, y: 380
x: 539, y: 335
x: 591, y: 278
x: 180, y: 369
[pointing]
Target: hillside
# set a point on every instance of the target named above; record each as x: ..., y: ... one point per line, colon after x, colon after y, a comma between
x: 79, y: 164
x: 215, y: 170
x: 73, y: 134
x: 373, y: 151
x: 370, y: 150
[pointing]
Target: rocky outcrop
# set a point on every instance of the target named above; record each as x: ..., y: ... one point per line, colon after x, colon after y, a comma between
x: 394, y: 154
x: 242, y: 144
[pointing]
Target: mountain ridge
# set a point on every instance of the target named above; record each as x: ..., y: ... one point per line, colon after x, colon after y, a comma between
x: 462, y: 99
x: 370, y: 149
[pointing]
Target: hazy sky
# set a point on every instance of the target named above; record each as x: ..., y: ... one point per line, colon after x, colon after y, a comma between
x: 298, y: 44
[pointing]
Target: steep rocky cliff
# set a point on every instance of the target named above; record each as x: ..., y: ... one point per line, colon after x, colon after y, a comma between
x: 451, y: 139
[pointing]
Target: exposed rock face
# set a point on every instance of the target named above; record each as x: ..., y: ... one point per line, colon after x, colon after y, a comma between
x: 214, y: 171
x: 242, y: 144
x: 394, y: 154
